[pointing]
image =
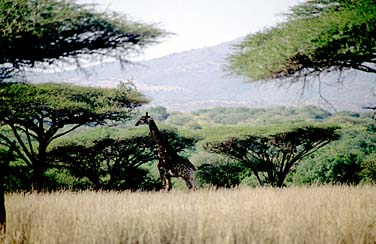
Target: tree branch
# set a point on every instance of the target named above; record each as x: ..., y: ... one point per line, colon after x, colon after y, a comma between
x: 65, y: 132
x: 29, y: 142
x: 20, y: 141
x: 9, y: 144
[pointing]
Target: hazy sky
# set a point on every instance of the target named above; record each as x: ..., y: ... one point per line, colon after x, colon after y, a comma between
x: 199, y: 23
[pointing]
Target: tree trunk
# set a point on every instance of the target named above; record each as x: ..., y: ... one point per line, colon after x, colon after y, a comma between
x: 2, y: 208
x: 40, y: 168
x: 38, y: 179
x: 3, y: 172
x: 256, y: 173
x: 281, y: 177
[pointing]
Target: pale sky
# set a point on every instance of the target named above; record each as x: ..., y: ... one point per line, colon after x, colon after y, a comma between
x: 199, y: 23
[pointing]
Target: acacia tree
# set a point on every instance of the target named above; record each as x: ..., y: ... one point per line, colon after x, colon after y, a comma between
x: 271, y: 158
x: 45, y: 31
x: 318, y: 36
x: 113, y: 162
x: 36, y: 115
x: 105, y: 162
x: 218, y: 174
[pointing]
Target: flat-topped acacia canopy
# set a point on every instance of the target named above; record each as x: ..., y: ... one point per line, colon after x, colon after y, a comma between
x: 34, y: 31
x: 318, y: 36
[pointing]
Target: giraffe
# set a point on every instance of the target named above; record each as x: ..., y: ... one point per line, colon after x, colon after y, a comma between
x: 170, y: 163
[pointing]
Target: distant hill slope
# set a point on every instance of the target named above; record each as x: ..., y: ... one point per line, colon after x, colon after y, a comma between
x: 195, y: 80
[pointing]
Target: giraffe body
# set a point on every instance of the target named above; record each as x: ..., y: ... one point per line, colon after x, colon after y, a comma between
x: 170, y: 163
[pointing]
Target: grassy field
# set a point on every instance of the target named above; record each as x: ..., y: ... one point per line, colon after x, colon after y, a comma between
x: 326, y: 214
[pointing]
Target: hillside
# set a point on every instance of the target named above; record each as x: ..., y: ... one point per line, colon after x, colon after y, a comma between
x: 196, y: 80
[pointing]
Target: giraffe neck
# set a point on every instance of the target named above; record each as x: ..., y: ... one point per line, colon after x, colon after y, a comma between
x: 157, y: 138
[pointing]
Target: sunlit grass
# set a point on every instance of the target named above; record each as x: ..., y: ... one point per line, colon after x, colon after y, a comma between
x: 330, y: 214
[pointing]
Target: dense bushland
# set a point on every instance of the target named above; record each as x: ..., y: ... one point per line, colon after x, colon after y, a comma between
x: 123, y: 157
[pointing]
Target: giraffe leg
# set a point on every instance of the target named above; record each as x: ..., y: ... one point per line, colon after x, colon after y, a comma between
x: 168, y: 183
x: 164, y: 183
x: 165, y: 178
x: 190, y: 181
x: 162, y: 174
x: 189, y: 184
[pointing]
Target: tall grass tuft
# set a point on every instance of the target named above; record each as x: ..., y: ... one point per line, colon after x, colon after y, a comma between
x: 325, y: 214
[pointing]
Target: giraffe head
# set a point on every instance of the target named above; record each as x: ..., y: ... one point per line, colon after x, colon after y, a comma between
x: 144, y: 120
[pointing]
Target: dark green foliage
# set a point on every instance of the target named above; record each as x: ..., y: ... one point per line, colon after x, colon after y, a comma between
x: 271, y: 158
x: 368, y: 166
x: 36, y: 115
x: 47, y: 30
x: 18, y: 177
x: 344, y: 169
x: 346, y: 161
x: 106, y: 162
x: 61, y: 178
x: 114, y: 162
x: 220, y: 174
x: 319, y: 35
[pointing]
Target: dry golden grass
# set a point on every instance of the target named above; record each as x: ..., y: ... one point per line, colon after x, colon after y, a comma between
x: 330, y: 214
